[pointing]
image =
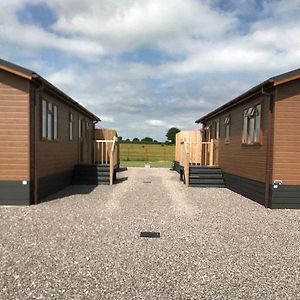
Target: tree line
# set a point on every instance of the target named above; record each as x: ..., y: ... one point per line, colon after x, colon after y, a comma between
x: 171, y: 136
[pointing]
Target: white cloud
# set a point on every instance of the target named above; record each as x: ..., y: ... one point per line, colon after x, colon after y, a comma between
x: 107, y: 119
x: 209, y: 55
x: 129, y: 24
x: 156, y: 123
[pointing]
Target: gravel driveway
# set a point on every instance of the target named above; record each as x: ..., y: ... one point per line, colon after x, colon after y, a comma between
x: 214, y: 244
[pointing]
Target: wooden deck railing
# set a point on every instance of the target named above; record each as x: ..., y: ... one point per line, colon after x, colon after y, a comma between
x: 113, y: 160
x: 106, y: 153
x: 198, y: 153
x: 185, y: 161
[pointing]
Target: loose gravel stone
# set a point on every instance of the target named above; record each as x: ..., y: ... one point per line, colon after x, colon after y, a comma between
x: 84, y: 243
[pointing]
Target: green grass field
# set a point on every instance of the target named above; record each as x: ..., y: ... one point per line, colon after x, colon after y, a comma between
x: 147, y: 152
x: 137, y: 155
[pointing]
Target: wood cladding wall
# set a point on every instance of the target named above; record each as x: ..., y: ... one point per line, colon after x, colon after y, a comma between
x: 286, y: 161
x: 59, y: 156
x: 247, y: 161
x: 14, y: 127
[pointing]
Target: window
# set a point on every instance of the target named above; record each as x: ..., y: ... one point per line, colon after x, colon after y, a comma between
x: 44, y: 121
x: 251, y: 125
x: 49, y: 121
x: 217, y: 130
x: 257, y: 124
x: 71, y: 127
x: 227, y: 128
x: 82, y: 128
x: 54, y: 122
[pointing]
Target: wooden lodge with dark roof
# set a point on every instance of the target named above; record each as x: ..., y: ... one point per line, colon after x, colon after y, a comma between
x: 47, y: 139
x: 251, y: 145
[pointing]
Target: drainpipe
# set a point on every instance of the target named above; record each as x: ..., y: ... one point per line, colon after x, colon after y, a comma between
x: 269, y: 151
x: 37, y: 92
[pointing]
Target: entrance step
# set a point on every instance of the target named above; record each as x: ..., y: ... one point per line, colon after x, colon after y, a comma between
x: 206, y: 177
x: 91, y: 174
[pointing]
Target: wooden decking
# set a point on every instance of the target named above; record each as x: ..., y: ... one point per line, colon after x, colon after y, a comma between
x: 192, y: 151
x: 106, y: 153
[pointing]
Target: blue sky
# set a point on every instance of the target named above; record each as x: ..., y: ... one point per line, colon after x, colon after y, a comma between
x: 144, y: 66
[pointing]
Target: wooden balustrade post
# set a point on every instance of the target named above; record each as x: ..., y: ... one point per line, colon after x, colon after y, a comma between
x: 187, y: 168
x: 211, y: 153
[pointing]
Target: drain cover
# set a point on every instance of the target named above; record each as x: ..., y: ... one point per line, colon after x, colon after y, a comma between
x: 146, y: 181
x: 150, y: 234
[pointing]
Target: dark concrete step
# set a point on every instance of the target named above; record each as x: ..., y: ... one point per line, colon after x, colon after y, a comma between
x: 90, y: 173
x: 99, y: 178
x: 205, y: 171
x: 207, y: 176
x: 92, y: 167
x: 206, y: 181
x: 208, y: 186
x: 89, y: 182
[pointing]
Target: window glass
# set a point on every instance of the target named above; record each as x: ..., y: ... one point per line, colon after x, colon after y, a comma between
x: 44, y: 119
x: 79, y: 128
x: 257, y: 123
x: 227, y: 131
x: 251, y: 130
x: 245, y: 127
x: 71, y: 129
x: 227, y: 128
x: 55, y: 122
x: 49, y: 124
x: 218, y: 130
x: 83, y: 128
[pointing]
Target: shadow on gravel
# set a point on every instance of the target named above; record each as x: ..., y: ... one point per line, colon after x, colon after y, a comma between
x: 120, y: 180
x: 70, y: 191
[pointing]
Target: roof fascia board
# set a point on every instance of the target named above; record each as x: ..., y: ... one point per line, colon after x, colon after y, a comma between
x: 67, y: 99
x: 286, y: 80
x: 15, y: 72
x: 240, y: 99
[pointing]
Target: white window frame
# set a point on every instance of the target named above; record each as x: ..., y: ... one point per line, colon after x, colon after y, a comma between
x: 44, y: 119
x: 49, y: 121
x: 227, y: 129
x: 71, y: 126
x: 252, y: 125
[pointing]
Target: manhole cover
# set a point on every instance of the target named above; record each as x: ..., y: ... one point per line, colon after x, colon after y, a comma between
x: 150, y: 234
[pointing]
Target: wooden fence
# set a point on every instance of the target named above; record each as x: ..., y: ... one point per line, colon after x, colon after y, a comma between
x: 193, y: 140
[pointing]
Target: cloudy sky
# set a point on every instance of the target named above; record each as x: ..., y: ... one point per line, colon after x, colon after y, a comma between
x: 146, y: 65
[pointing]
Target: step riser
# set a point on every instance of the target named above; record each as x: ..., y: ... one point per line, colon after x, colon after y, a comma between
x: 91, y: 178
x: 91, y: 175
x: 91, y: 170
x: 206, y: 177
x: 207, y: 186
x: 205, y: 172
x: 208, y: 182
x: 89, y: 183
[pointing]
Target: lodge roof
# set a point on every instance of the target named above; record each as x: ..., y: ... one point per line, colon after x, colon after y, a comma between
x: 32, y: 75
x: 271, y: 82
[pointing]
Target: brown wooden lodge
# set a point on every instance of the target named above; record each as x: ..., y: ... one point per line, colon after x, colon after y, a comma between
x: 47, y: 140
x: 250, y: 145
